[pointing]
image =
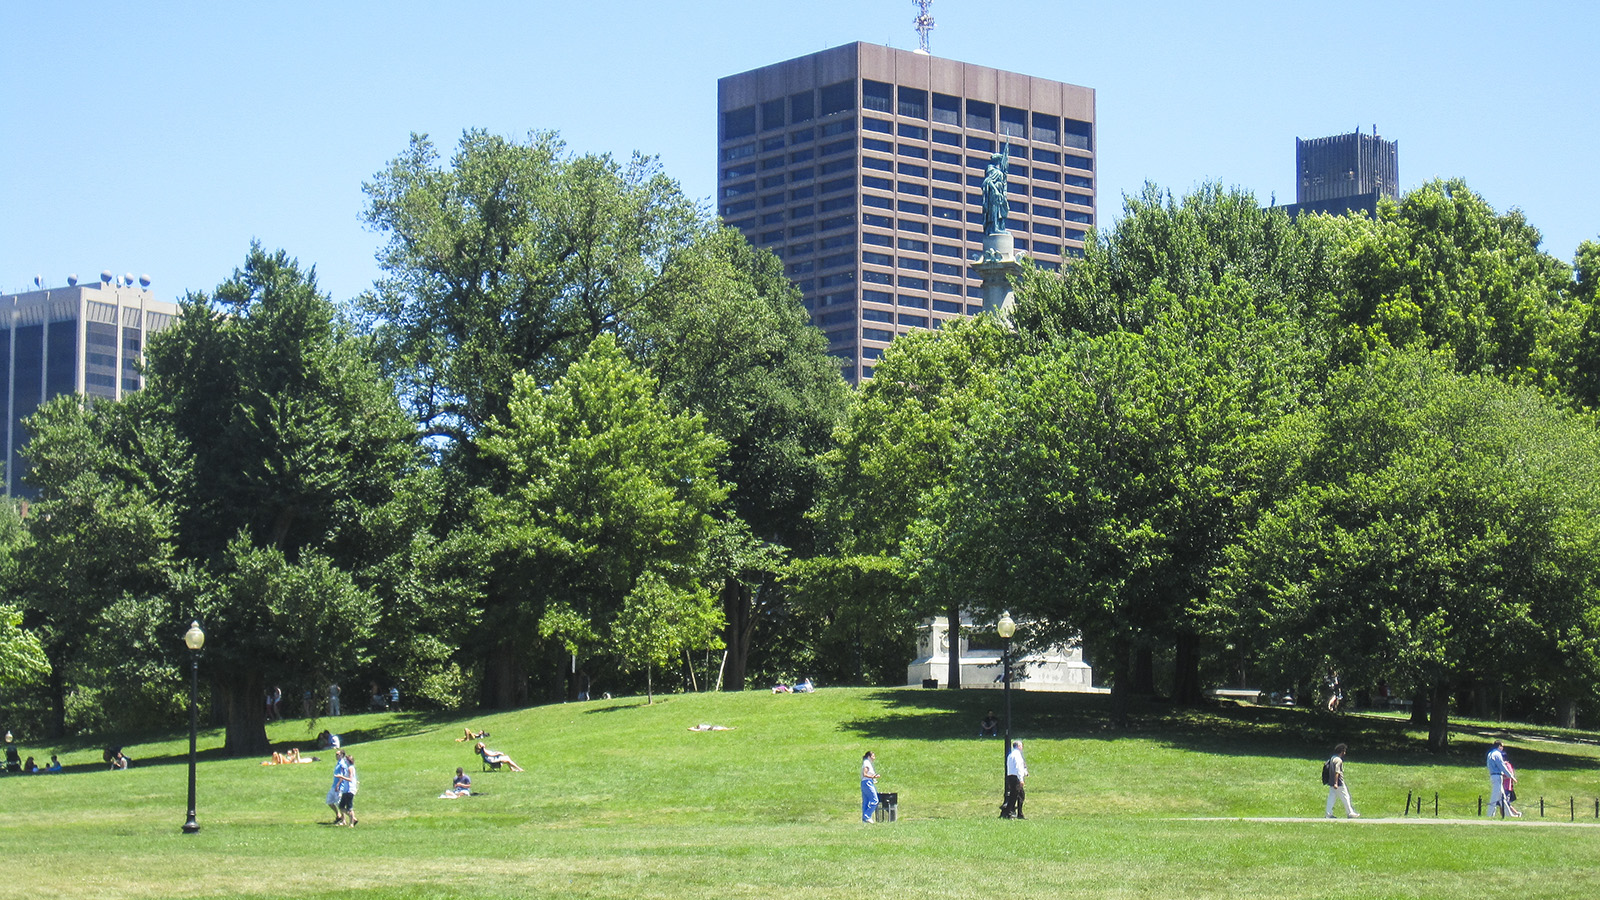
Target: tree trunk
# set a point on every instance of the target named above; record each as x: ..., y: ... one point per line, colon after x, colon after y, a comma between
x: 245, y: 703
x: 952, y: 677
x: 649, y: 689
x: 1567, y: 712
x: 1439, y: 719
x: 738, y: 608
x: 1186, y: 671
x: 1419, y: 707
x: 1122, y: 654
x: 1144, y: 671
x: 505, y: 683
x: 56, y: 725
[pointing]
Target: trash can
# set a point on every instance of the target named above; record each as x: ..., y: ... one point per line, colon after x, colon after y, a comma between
x: 930, y: 683
x: 888, y: 808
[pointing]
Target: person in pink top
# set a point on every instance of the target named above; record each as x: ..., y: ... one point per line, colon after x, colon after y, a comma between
x: 1506, y: 787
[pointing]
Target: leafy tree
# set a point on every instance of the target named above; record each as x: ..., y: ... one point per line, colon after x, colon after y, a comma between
x: 1185, y: 248
x: 728, y: 338
x: 510, y: 259
x: 21, y: 656
x: 1429, y: 528
x: 899, y: 445
x: 606, y: 488
x: 658, y: 621
x: 1442, y: 270
x: 293, y: 443
x: 1162, y: 257
x: 103, y: 533
x: 1576, y: 347
x: 1104, y: 476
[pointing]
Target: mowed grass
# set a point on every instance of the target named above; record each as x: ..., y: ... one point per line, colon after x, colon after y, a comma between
x: 621, y: 800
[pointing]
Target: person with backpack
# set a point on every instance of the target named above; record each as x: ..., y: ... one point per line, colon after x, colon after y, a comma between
x: 1333, y: 777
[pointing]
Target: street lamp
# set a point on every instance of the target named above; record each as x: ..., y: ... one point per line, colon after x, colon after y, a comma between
x: 195, y: 638
x: 1006, y: 628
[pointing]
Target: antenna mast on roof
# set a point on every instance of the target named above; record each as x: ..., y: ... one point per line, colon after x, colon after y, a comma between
x: 924, y: 23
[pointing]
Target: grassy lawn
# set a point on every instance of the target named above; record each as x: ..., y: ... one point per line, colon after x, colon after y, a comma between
x: 621, y: 800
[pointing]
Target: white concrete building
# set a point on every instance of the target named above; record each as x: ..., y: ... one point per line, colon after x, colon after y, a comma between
x: 1059, y: 668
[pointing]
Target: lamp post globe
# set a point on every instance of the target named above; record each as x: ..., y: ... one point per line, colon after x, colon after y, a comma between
x: 195, y: 640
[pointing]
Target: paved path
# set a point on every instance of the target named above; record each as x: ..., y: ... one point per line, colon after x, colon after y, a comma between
x: 1525, y: 821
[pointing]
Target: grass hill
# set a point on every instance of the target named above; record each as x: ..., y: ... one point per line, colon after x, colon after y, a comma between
x: 620, y: 799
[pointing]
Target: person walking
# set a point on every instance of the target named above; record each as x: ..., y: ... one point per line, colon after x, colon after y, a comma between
x: 347, y: 797
x: 1509, y: 785
x: 1016, y: 778
x: 337, y: 791
x: 869, y: 786
x: 1497, y: 778
x: 1333, y: 776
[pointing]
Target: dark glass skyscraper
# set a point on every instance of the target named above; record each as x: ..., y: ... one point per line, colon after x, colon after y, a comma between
x: 84, y: 339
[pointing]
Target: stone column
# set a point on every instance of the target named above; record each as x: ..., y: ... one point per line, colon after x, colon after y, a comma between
x: 998, y: 263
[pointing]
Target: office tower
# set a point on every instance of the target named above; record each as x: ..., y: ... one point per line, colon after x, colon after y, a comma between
x: 83, y: 338
x: 862, y: 168
x: 1345, y: 173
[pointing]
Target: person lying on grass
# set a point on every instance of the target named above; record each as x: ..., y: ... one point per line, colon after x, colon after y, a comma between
x: 470, y: 735
x: 495, y: 757
x: 293, y: 756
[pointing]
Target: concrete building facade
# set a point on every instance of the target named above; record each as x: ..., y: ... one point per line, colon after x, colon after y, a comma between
x: 85, y: 339
x: 862, y: 167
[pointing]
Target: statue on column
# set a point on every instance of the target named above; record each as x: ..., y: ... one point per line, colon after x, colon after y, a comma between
x: 995, y: 205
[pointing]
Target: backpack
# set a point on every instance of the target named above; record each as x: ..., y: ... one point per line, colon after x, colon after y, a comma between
x: 1327, y: 773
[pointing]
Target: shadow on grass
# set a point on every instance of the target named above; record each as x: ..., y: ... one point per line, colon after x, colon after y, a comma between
x: 398, y: 725
x: 1222, y: 728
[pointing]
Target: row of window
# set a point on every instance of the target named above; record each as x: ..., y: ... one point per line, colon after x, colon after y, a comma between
x: 978, y: 115
x: 795, y: 109
x: 908, y: 102
x: 981, y: 144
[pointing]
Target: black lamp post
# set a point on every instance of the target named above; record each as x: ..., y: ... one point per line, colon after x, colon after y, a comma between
x: 196, y: 639
x: 1006, y: 628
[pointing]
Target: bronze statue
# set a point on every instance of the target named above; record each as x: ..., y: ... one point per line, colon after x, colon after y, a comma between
x: 995, y: 205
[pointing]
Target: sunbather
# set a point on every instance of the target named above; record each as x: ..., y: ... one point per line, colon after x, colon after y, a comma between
x: 495, y: 757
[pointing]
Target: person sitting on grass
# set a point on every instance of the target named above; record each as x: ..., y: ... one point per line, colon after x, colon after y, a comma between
x: 29, y: 767
x: 119, y: 761
x: 990, y: 726
x: 459, y: 788
x: 495, y: 757
x: 469, y: 735
x: 55, y: 766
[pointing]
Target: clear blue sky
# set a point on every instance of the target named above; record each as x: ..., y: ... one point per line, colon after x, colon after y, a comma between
x: 161, y: 138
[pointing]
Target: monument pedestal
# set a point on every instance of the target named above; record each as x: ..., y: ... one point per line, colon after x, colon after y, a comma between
x: 998, y: 263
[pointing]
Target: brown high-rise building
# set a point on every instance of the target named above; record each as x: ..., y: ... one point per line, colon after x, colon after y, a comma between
x: 861, y: 167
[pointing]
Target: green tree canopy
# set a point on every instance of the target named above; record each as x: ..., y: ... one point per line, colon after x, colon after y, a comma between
x: 1425, y: 527
x: 293, y: 443
x: 606, y: 487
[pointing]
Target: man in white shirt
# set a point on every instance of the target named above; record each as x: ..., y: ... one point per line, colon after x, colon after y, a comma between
x: 1497, y: 778
x: 1016, y: 776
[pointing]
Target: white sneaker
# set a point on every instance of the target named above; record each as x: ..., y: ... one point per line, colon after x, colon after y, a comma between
x: 1355, y: 815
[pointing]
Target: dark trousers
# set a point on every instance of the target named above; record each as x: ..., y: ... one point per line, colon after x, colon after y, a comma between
x: 1012, y: 809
